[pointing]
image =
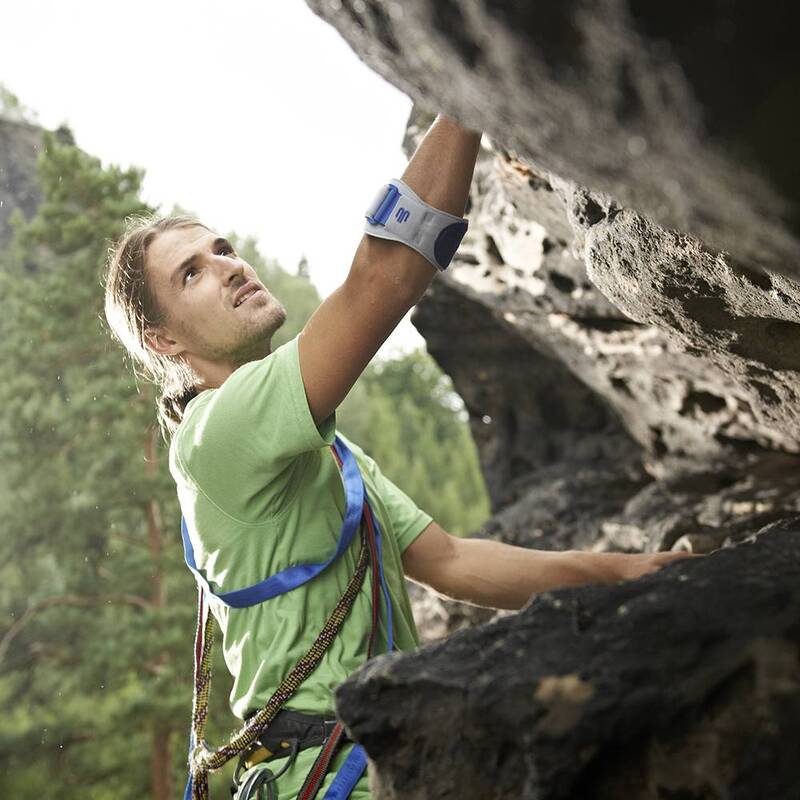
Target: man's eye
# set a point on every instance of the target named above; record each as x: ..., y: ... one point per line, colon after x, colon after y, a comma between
x: 224, y: 250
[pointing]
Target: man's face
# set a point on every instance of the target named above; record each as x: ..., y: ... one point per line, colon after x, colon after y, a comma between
x: 214, y: 335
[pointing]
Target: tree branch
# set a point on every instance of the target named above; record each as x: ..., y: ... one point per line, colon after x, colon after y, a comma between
x: 73, y: 600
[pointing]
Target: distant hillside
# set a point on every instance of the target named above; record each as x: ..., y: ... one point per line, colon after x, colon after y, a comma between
x: 20, y: 145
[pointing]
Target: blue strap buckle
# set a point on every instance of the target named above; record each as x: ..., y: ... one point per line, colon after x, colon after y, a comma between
x: 383, y: 206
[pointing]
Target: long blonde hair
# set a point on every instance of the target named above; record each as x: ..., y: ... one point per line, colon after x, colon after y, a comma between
x: 131, y: 307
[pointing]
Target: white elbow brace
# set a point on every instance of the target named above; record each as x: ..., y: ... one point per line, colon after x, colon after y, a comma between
x: 397, y: 213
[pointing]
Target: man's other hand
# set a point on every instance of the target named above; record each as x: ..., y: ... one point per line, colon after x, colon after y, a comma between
x: 637, y: 564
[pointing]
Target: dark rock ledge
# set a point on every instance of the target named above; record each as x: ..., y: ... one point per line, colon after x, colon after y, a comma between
x: 683, y: 684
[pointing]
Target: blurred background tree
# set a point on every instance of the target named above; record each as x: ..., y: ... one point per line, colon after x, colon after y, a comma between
x: 97, y: 606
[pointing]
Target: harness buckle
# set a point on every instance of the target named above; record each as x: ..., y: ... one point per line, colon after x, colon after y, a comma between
x: 261, y: 753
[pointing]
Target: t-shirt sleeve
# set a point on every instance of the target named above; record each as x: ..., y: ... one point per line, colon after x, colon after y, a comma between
x: 246, y: 443
x: 407, y: 518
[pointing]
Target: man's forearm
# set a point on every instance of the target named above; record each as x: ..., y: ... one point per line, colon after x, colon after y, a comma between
x: 441, y: 169
x: 497, y: 575
x: 440, y: 172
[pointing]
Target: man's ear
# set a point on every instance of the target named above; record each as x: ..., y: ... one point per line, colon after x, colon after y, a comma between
x: 161, y: 342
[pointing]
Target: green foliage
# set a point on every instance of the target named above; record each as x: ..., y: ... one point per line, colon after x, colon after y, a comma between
x: 11, y: 107
x: 96, y: 654
x: 406, y: 415
x: 97, y: 606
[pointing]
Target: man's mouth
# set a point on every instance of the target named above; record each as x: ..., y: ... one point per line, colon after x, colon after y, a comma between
x: 248, y: 295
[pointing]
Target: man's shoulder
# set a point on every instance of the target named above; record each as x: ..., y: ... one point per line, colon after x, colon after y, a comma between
x: 223, y: 402
x: 190, y: 415
x: 244, y: 443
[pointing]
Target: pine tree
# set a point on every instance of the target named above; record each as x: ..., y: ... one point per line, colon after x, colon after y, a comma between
x: 302, y: 268
x: 95, y: 665
x: 412, y: 422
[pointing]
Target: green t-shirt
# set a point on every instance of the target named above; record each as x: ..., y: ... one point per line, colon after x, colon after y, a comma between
x: 261, y: 491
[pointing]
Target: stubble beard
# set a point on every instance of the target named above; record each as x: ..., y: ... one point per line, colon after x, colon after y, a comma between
x: 257, y: 336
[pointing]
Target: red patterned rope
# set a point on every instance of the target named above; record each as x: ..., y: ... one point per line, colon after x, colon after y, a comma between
x: 205, y: 759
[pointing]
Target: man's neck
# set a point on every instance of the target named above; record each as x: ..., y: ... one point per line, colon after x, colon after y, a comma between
x: 214, y: 373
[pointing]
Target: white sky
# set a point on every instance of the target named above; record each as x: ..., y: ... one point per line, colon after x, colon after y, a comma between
x: 255, y: 115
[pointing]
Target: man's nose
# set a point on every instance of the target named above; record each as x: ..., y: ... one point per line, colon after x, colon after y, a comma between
x: 230, y: 268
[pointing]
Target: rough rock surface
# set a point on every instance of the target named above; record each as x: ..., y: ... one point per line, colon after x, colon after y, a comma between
x: 20, y: 144
x: 622, y: 323
x: 684, y: 684
x: 683, y: 111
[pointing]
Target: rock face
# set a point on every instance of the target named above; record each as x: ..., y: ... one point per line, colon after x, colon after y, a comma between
x: 684, y: 684
x: 684, y: 112
x: 622, y: 322
x: 20, y: 144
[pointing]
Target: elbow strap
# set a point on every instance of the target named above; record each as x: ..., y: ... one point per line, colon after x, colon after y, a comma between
x: 397, y: 213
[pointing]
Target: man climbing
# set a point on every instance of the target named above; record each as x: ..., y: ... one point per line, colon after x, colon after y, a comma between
x: 272, y: 496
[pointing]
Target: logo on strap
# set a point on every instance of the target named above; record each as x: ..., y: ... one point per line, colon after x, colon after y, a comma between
x: 402, y: 214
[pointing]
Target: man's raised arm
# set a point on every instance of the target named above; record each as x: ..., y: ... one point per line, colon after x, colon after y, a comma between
x: 440, y: 172
x: 386, y: 277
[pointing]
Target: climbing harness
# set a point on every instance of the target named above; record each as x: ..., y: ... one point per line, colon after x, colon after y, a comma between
x: 290, y: 730
x: 204, y: 759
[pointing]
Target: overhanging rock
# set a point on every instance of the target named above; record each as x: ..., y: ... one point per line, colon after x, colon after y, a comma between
x: 622, y: 322
x: 685, y: 112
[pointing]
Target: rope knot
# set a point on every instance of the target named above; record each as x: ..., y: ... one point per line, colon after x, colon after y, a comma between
x: 198, y: 758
